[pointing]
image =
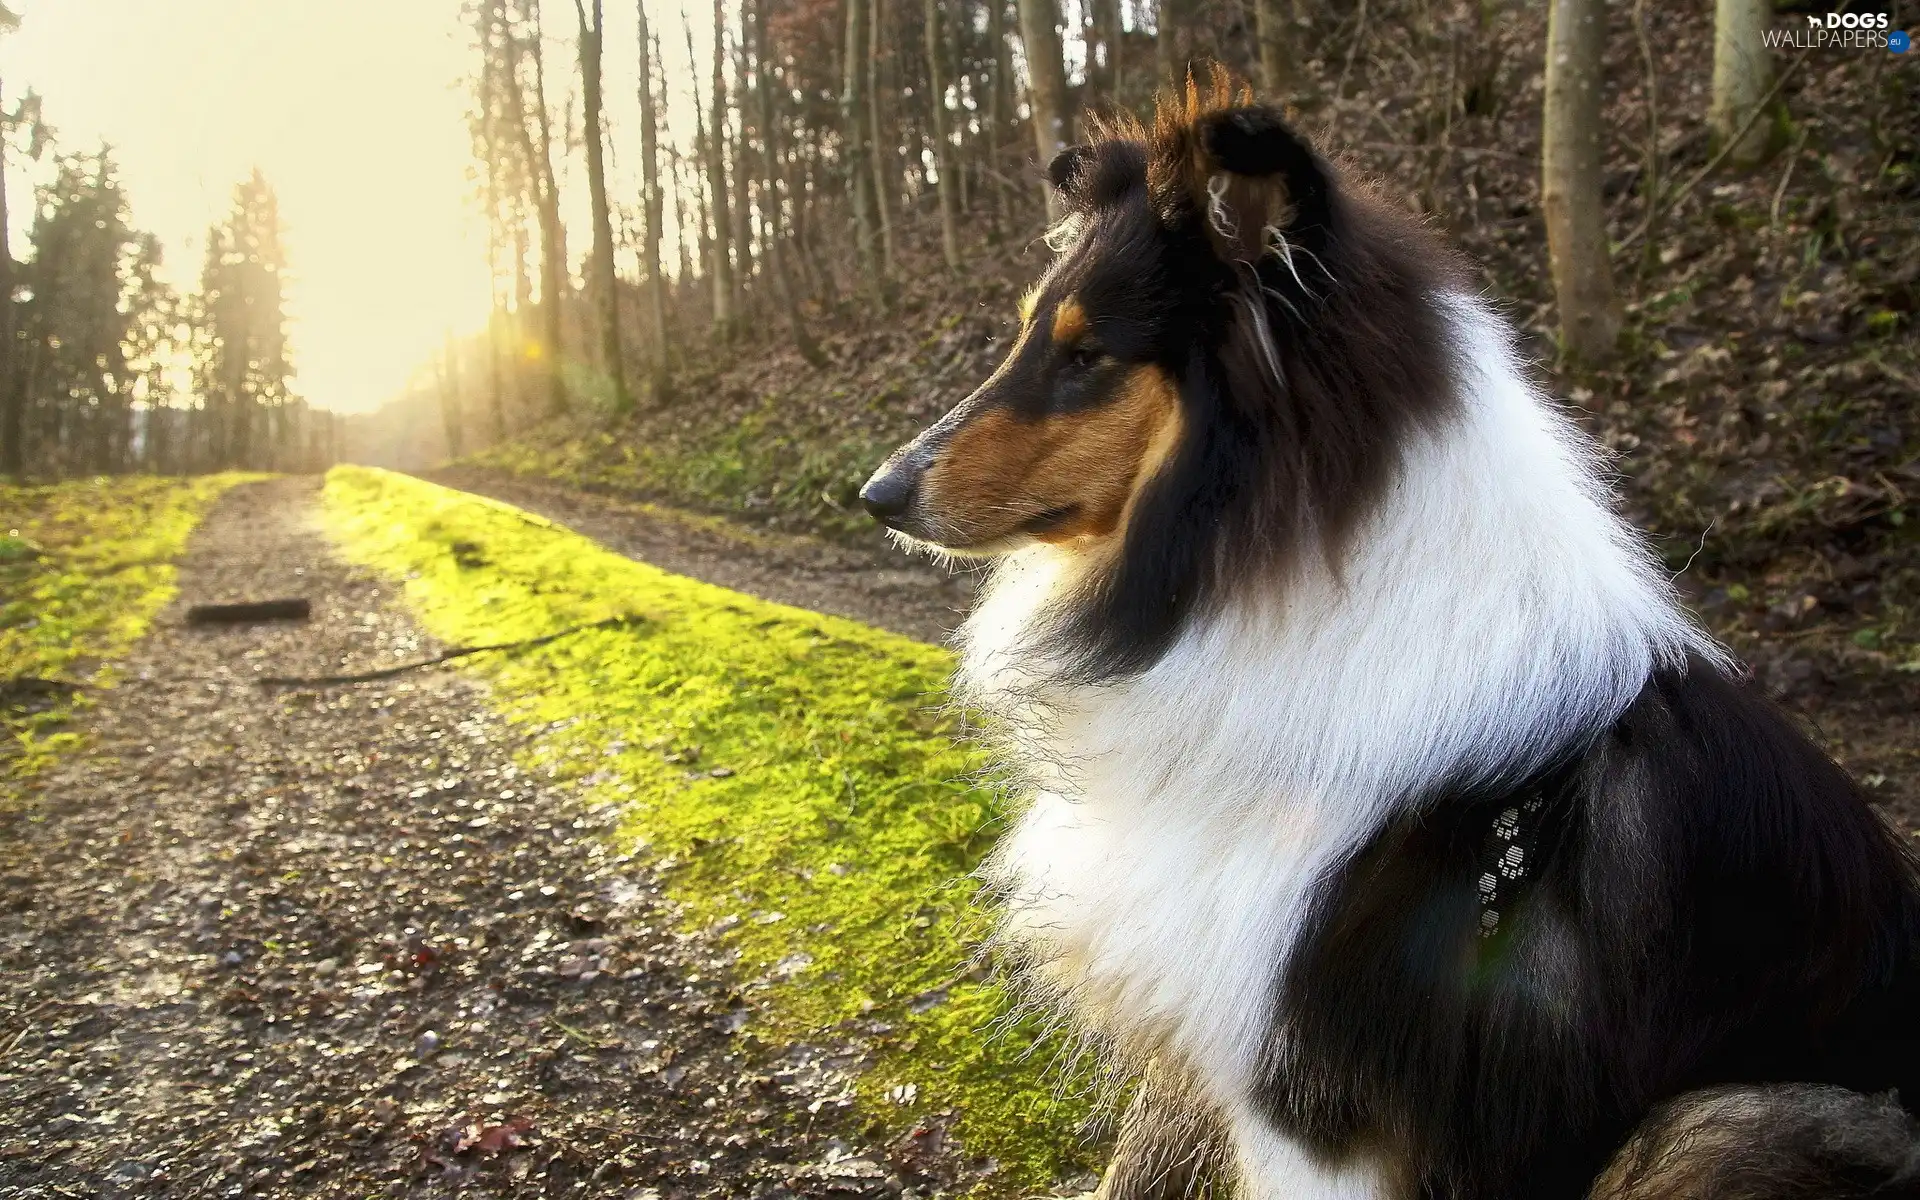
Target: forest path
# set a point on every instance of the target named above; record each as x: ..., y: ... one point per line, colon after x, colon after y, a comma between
x: 878, y: 586
x: 329, y: 941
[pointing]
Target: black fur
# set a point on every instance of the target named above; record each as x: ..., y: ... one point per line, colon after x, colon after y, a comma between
x: 1784, y: 1142
x: 1712, y: 902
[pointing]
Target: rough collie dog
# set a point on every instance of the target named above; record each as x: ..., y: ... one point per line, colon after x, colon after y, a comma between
x: 1385, y: 815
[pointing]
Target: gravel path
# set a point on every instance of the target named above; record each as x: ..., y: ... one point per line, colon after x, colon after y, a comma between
x: 329, y: 942
x: 875, y: 585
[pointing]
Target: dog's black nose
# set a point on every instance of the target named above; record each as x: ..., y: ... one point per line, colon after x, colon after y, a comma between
x: 889, y: 492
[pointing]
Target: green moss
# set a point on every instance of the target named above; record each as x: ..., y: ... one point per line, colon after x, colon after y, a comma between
x: 84, y: 565
x: 793, y: 774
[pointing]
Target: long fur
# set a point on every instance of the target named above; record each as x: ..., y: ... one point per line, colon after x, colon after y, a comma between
x: 1377, y: 597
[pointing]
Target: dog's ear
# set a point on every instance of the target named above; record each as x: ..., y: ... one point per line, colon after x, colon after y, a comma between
x: 1249, y: 172
x: 1068, y: 172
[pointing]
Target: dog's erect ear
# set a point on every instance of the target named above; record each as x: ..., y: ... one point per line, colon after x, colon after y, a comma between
x: 1068, y: 171
x: 1251, y: 172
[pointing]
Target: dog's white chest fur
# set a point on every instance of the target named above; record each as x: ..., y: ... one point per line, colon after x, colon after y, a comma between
x: 1180, y: 819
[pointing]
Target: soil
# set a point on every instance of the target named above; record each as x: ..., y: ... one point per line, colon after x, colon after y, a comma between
x: 331, y: 942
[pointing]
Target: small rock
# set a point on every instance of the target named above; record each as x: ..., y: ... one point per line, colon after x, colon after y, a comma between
x: 426, y: 1043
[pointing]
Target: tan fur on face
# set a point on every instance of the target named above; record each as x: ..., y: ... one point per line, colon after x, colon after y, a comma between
x: 1000, y: 472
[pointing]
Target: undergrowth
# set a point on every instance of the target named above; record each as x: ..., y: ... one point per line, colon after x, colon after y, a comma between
x: 84, y: 566
x: 792, y: 775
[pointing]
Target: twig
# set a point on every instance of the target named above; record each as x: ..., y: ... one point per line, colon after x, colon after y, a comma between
x: 1713, y: 164
x: 1786, y: 176
x: 582, y: 1036
x: 444, y: 656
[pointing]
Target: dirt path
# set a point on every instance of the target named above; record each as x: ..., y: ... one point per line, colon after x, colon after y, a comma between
x: 330, y: 942
x: 876, y: 586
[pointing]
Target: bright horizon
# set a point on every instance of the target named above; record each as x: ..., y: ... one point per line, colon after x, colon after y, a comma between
x: 355, y: 111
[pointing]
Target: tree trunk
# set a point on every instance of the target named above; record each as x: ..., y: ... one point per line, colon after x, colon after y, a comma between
x: 882, y: 144
x: 1570, y: 179
x: 605, y: 285
x: 496, y: 386
x: 553, y: 234
x: 1742, y: 76
x: 652, y: 212
x: 1105, y: 76
x: 743, y: 182
x: 770, y: 198
x: 942, y: 139
x: 999, y: 111
x: 856, y: 116
x: 717, y: 179
x: 1047, y: 85
x: 450, y: 418
x: 698, y: 168
x: 12, y: 399
x: 1166, y: 44
x: 1276, y: 63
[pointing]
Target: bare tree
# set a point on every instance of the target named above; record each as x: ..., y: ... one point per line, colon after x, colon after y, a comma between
x: 606, y: 286
x: 942, y: 137
x: 999, y: 107
x: 856, y: 117
x: 882, y: 142
x: 12, y: 406
x: 1742, y: 79
x: 652, y: 209
x: 723, y: 287
x: 537, y: 147
x: 1571, y: 171
x: 1047, y: 83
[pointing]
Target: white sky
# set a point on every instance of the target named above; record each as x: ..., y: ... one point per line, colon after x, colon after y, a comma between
x: 354, y: 109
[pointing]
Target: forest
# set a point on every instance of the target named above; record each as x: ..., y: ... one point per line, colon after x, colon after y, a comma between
x: 828, y: 170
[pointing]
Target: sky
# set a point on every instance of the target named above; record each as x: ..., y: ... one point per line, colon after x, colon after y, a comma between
x: 354, y: 109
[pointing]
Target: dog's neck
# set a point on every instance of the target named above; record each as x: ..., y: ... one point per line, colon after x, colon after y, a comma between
x: 1492, y: 608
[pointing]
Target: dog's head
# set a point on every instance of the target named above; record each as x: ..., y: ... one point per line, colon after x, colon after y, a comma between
x: 1212, y: 354
x: 1059, y: 442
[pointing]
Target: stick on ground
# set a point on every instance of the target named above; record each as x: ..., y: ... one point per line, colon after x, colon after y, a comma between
x: 292, y: 609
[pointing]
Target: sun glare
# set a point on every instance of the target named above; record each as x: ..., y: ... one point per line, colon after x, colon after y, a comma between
x: 353, y: 109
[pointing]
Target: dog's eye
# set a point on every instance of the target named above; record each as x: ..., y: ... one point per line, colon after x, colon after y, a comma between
x: 1083, y: 356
